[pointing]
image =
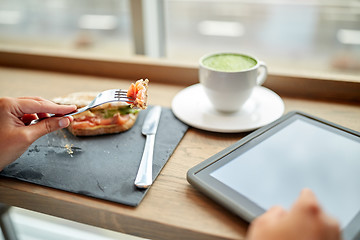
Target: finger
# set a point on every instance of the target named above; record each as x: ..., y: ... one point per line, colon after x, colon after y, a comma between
x: 307, y: 196
x: 307, y: 202
x: 276, y: 212
x: 43, y: 115
x: 33, y: 98
x: 43, y: 106
x: 47, y: 126
x: 28, y: 118
x: 333, y: 227
x: 270, y: 216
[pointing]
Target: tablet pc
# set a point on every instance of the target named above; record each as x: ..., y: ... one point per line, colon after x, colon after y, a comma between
x: 274, y: 163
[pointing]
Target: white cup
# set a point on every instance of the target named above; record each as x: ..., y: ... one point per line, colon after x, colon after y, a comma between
x: 229, y: 89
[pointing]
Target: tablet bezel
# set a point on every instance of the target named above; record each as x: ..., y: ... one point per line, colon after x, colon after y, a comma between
x: 199, y: 175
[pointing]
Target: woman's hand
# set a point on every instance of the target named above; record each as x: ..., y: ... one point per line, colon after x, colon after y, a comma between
x: 15, y: 116
x: 304, y: 221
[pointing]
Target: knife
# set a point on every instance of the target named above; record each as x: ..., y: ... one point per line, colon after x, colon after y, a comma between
x: 144, y: 176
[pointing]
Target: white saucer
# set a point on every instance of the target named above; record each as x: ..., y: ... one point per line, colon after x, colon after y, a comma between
x: 192, y: 106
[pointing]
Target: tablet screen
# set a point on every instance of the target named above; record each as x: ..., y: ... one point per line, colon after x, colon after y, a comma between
x: 303, y: 153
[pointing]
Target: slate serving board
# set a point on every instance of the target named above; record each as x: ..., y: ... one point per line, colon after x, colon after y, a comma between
x: 103, y: 167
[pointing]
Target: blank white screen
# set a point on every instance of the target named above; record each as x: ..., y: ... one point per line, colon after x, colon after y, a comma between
x: 300, y: 155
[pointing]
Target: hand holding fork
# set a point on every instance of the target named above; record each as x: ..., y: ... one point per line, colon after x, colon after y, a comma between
x: 112, y: 95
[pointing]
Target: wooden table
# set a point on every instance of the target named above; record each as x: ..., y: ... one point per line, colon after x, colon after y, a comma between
x: 172, y: 209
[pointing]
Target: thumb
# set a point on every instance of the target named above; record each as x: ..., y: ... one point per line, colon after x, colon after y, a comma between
x: 48, y: 125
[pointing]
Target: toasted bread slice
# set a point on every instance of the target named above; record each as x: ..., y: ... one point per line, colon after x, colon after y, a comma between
x: 104, y: 129
x: 97, y: 121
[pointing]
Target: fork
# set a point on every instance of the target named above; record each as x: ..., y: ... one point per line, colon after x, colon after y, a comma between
x: 112, y: 95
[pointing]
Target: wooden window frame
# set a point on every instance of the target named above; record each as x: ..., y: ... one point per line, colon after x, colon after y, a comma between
x: 325, y: 87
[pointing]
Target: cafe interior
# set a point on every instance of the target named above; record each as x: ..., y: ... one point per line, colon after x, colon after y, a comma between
x: 64, y: 186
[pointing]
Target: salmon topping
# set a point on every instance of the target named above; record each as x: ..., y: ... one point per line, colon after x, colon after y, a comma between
x: 138, y: 92
x: 94, y: 121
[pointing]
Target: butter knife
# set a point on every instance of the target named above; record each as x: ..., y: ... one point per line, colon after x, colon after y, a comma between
x: 144, y: 176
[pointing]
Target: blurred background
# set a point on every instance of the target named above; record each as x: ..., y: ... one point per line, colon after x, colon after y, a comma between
x: 294, y: 35
x: 301, y: 36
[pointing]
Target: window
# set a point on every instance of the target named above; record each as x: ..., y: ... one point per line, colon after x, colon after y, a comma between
x: 297, y: 35
x: 101, y: 26
x: 289, y: 35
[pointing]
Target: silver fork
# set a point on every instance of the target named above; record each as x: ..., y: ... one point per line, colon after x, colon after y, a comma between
x: 112, y: 95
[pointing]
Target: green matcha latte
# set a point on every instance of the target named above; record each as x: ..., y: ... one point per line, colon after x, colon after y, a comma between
x: 229, y: 62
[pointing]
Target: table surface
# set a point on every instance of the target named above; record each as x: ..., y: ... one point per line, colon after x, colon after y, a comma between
x: 172, y: 209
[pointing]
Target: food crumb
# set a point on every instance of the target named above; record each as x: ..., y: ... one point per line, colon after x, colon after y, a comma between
x: 69, y: 149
